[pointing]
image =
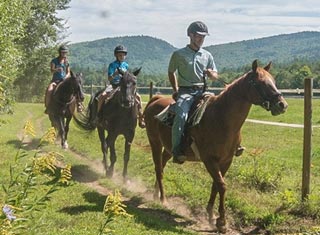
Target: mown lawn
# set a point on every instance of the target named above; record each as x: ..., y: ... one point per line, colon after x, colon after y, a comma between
x: 264, y: 184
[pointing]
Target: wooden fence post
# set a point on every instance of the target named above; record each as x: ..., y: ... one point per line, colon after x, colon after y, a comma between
x: 307, y: 138
x: 151, y: 90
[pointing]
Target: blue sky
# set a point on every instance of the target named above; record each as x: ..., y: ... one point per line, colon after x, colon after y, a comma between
x: 227, y: 20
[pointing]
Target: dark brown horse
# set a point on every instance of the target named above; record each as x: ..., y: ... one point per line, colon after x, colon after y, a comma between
x: 118, y: 117
x: 217, y: 136
x: 62, y: 106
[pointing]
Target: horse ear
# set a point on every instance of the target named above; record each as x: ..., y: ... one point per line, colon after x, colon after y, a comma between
x: 267, y: 68
x: 254, y: 65
x: 137, y: 71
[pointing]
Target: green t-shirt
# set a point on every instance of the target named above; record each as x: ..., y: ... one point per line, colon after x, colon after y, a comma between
x: 190, y: 65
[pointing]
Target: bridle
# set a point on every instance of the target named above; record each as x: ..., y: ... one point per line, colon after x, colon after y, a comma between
x: 128, y: 89
x: 267, y: 100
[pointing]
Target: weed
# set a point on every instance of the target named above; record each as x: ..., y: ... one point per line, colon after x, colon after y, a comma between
x: 31, y: 184
x: 113, y: 208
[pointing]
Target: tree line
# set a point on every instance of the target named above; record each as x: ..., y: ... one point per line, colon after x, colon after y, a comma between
x: 287, y: 76
x: 31, y: 32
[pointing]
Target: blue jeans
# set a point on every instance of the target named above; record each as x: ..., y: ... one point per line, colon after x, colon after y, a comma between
x: 186, y: 97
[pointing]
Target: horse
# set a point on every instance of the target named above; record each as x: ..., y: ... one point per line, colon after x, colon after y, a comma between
x: 118, y: 116
x: 217, y: 136
x: 62, y: 106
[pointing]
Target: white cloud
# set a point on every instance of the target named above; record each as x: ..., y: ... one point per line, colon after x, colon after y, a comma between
x: 228, y: 21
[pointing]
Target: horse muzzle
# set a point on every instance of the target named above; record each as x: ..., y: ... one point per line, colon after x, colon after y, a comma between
x: 279, y: 107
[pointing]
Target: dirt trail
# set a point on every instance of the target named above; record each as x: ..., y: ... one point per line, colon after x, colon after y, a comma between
x: 92, y: 170
x: 194, y: 220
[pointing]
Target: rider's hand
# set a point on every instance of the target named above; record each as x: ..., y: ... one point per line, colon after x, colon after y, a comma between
x: 175, y: 95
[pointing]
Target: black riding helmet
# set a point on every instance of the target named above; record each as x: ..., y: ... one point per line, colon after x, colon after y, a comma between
x: 120, y: 48
x: 63, y: 48
x: 198, y: 27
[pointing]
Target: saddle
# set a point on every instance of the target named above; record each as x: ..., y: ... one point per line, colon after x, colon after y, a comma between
x: 194, y: 117
x: 198, y: 107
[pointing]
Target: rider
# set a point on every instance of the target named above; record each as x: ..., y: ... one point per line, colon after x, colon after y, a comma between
x: 192, y: 64
x: 120, y: 52
x: 60, y: 70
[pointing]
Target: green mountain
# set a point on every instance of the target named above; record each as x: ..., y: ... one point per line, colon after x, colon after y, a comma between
x: 153, y: 54
x: 281, y: 49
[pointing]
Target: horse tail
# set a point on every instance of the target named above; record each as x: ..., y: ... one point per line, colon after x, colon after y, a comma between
x: 88, y: 120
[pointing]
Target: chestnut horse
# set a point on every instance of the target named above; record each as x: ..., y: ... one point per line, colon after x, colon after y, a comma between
x: 62, y: 105
x: 216, y: 137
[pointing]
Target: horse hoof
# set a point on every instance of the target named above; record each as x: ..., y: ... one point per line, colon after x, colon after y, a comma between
x: 109, y: 173
x: 65, y: 146
x: 222, y: 229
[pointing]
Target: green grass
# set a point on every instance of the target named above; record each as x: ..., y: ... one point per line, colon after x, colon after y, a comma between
x: 263, y: 185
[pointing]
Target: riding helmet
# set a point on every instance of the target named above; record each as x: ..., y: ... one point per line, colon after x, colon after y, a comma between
x: 198, y: 27
x: 63, y: 48
x: 120, y: 48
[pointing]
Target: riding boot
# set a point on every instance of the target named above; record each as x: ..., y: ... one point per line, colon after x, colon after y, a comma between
x: 142, y: 124
x: 239, y: 151
x: 47, y: 100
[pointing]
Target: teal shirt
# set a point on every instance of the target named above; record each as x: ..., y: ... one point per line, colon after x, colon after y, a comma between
x: 190, y: 65
x: 59, y: 75
x: 113, y: 67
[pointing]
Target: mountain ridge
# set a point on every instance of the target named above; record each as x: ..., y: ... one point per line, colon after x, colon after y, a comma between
x: 153, y: 54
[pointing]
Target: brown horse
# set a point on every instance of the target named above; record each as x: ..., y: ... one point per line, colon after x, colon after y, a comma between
x: 216, y: 137
x: 62, y: 106
x: 118, y: 117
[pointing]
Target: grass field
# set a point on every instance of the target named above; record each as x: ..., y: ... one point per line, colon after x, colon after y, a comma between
x: 263, y: 185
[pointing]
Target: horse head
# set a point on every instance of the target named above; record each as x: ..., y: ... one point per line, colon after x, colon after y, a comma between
x: 263, y: 91
x: 75, y: 81
x: 128, y: 86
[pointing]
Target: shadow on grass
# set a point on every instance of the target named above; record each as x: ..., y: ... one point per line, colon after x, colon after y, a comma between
x: 95, y: 199
x: 83, y: 174
x: 155, y: 218
x: 26, y: 145
x: 159, y: 219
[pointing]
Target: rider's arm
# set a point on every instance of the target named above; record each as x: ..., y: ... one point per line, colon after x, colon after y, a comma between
x: 53, y: 68
x: 68, y: 73
x: 212, y: 74
x: 173, y: 81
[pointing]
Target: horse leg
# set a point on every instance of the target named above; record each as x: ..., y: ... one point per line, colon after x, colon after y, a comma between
x: 159, y: 174
x: 218, y: 186
x: 126, y: 156
x: 104, y: 147
x: 66, y: 131
x: 111, y: 139
x: 61, y: 131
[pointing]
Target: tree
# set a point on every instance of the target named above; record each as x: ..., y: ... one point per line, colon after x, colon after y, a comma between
x: 44, y: 30
x: 13, y: 14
